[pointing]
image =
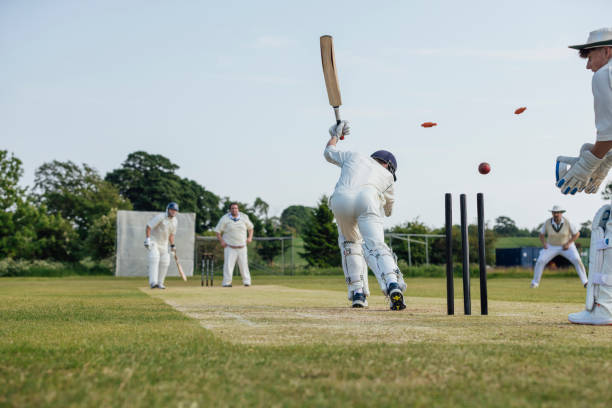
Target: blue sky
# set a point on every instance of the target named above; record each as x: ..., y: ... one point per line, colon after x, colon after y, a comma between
x: 233, y: 93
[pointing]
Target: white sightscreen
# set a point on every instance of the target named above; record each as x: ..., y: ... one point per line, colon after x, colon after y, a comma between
x: 131, y: 253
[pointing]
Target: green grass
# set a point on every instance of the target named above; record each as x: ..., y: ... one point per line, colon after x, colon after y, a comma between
x: 102, y: 341
x: 517, y: 242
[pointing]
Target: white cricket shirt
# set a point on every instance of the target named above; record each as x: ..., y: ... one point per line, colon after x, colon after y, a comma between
x: 234, y: 233
x: 162, y: 227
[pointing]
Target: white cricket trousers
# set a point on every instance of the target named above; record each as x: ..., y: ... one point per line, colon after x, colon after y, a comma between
x: 231, y: 255
x: 547, y: 254
x: 159, y: 259
x: 359, y: 217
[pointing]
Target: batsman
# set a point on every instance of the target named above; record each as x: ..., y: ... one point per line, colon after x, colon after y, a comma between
x: 362, y: 196
x: 586, y: 174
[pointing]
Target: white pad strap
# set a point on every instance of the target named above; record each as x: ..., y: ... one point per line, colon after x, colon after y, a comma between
x: 382, y: 262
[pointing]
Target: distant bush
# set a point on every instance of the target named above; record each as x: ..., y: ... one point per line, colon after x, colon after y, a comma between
x: 42, y: 268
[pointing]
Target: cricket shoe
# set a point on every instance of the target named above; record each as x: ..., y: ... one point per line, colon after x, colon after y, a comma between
x: 154, y: 286
x: 396, y: 297
x: 227, y: 286
x: 161, y: 286
x: 359, y: 300
x: 599, y: 316
x: 534, y: 285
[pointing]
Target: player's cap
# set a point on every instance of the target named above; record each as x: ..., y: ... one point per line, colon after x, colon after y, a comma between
x: 557, y: 208
x: 597, y: 38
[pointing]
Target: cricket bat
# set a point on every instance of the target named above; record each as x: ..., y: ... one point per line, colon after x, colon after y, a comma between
x: 330, y: 73
x: 179, y: 267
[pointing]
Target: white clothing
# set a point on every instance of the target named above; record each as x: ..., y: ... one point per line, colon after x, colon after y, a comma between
x: 162, y: 227
x: 547, y: 254
x: 159, y: 260
x: 598, y: 304
x: 230, y: 256
x: 362, y: 195
x: 572, y: 226
x: 360, y: 171
x: 602, y: 100
x: 234, y: 232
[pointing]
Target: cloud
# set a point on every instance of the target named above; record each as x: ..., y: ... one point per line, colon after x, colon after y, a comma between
x: 271, y: 41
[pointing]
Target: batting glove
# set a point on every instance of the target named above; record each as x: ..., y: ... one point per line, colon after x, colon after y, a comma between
x: 340, y: 130
x: 147, y: 242
x: 173, y: 248
x: 578, y: 175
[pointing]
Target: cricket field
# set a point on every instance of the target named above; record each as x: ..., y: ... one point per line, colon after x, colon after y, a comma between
x: 294, y: 341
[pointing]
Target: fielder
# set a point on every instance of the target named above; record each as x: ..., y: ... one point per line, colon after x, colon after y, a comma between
x: 160, y: 232
x: 558, y: 236
x: 232, y: 231
x: 362, y: 196
x: 590, y: 169
x: 598, y: 309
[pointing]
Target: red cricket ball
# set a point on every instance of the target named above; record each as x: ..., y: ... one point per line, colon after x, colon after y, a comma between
x: 484, y: 168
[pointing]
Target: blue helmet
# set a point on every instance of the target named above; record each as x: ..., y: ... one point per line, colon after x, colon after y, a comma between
x: 172, y: 206
x: 387, y: 157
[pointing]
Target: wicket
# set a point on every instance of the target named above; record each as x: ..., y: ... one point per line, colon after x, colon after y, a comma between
x: 450, y: 295
x: 208, y: 266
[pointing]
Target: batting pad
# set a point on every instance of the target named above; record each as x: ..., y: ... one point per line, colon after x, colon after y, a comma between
x: 131, y: 255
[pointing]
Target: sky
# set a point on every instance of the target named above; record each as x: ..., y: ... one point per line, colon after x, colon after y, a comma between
x: 233, y: 93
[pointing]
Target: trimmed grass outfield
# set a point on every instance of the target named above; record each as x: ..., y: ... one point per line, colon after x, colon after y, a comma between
x: 293, y: 341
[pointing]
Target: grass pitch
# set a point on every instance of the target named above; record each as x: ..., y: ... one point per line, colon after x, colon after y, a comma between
x: 293, y: 341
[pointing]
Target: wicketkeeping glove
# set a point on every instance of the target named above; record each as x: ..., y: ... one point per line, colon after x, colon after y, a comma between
x: 340, y: 130
x: 599, y: 175
x: 578, y: 175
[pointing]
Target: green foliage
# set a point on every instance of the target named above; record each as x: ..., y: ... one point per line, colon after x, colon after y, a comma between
x: 321, y: 237
x: 26, y: 230
x: 268, y: 250
x: 295, y: 218
x: 505, y: 226
x: 102, y: 237
x: 22, y: 268
x: 417, y: 250
x: 10, y: 173
x: 438, y: 254
x: 150, y: 183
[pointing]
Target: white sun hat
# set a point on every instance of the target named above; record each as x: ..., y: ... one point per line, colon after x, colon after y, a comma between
x: 597, y: 38
x: 557, y: 208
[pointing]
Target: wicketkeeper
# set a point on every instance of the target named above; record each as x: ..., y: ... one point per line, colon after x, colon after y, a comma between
x: 590, y: 169
x: 160, y: 232
x: 598, y: 309
x: 363, y: 195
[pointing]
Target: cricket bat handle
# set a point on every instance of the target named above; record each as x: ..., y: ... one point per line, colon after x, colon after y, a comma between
x: 338, y: 120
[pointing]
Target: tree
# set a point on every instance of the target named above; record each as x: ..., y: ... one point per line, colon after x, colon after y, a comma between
x: 438, y: 248
x: 26, y: 230
x: 268, y: 250
x: 417, y: 251
x: 505, y: 226
x: 585, y: 229
x: 321, y: 237
x: 77, y: 193
x: 150, y: 183
x: 295, y: 218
